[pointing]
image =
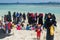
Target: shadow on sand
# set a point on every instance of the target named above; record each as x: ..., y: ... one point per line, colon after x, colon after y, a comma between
x: 3, y: 34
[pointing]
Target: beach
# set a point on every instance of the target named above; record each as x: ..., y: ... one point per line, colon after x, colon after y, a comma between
x: 23, y: 34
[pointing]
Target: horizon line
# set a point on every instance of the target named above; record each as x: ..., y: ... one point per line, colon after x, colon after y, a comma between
x: 41, y: 2
x: 53, y: 3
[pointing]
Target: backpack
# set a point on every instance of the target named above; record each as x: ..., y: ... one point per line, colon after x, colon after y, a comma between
x: 52, y: 30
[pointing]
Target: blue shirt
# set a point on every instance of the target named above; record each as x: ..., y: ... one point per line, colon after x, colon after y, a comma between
x: 28, y: 28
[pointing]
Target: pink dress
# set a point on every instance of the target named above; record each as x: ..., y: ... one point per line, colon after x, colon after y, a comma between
x: 18, y: 28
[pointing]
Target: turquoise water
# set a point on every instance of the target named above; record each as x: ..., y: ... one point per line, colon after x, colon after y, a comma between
x: 30, y: 8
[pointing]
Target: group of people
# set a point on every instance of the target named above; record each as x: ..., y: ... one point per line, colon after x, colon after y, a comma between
x: 18, y: 17
x: 34, y: 18
x: 49, y: 24
x: 5, y: 23
x: 35, y: 22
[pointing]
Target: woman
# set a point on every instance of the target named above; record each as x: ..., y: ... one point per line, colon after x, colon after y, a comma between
x: 17, y: 17
x: 14, y: 17
x: 9, y: 16
x: 48, y: 23
x: 24, y: 17
x: 40, y: 20
x: 20, y: 17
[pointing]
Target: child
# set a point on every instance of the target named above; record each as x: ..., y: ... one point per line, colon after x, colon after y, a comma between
x: 13, y: 25
x: 27, y: 27
x: 32, y: 27
x: 38, y: 30
x: 18, y: 27
x: 23, y: 28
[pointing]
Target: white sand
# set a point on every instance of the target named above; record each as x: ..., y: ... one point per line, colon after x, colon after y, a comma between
x: 31, y: 35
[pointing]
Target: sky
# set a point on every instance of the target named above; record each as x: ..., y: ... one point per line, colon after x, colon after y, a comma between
x: 27, y: 1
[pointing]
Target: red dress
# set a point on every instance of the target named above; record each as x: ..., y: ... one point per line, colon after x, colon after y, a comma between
x: 38, y: 32
x: 9, y: 25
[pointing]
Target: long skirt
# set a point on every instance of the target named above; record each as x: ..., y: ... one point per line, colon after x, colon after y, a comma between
x: 48, y: 36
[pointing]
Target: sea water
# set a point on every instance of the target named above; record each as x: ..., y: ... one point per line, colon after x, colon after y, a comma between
x: 55, y: 9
